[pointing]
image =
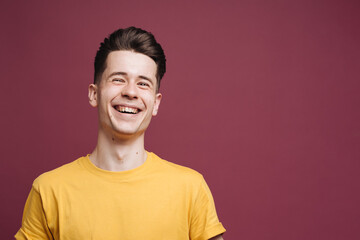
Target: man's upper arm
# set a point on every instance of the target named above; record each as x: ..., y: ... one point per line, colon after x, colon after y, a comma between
x: 204, y: 223
x: 218, y: 237
x: 34, y: 224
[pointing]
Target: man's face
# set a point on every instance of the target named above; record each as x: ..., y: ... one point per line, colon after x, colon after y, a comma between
x: 126, y: 95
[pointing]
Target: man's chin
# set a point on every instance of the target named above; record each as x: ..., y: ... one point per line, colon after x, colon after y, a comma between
x: 127, y: 133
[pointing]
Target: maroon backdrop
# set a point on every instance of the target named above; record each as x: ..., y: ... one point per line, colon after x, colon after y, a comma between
x: 262, y: 97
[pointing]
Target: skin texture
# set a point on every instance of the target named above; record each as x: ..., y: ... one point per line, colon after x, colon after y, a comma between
x: 218, y: 237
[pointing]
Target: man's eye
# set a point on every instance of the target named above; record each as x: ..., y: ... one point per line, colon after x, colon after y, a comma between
x: 118, y: 80
x: 143, y: 84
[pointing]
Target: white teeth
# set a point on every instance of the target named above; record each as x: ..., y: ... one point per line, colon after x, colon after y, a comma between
x: 126, y: 109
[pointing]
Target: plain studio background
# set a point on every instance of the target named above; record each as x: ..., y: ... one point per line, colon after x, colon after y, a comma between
x: 262, y: 97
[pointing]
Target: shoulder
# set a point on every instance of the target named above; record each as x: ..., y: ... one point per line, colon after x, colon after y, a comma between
x: 62, y: 174
x: 176, y: 170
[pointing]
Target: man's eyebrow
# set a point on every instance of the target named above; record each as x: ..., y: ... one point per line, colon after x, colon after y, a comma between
x: 118, y: 73
x: 145, y: 78
x: 125, y: 74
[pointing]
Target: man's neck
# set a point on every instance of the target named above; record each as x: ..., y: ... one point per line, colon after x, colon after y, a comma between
x: 118, y: 154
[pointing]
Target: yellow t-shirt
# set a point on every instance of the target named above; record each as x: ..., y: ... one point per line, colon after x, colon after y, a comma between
x: 158, y: 200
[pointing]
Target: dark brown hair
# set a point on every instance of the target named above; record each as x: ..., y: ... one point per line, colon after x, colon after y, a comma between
x: 131, y: 39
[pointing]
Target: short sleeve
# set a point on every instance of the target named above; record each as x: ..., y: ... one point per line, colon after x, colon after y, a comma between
x: 204, y: 222
x: 34, y: 225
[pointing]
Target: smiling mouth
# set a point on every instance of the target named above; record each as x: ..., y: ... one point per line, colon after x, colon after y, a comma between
x: 128, y: 110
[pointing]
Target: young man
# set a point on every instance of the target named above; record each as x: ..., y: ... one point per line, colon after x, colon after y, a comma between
x: 121, y: 191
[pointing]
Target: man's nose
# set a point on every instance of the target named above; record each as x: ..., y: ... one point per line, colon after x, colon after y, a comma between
x: 129, y: 91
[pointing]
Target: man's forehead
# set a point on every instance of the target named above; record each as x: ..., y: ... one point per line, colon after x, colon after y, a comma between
x: 130, y: 63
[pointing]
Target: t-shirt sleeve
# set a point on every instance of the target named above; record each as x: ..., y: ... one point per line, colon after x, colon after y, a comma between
x: 34, y: 224
x: 204, y: 222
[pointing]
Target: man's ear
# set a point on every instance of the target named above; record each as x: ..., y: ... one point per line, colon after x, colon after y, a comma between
x: 93, y: 90
x: 157, y: 104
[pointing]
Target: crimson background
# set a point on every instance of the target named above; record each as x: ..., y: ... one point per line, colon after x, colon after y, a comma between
x: 262, y: 97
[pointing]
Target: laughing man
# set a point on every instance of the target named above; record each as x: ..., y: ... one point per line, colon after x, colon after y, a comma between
x: 121, y: 191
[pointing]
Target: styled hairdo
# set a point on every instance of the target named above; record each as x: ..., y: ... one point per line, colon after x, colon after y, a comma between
x: 131, y: 39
